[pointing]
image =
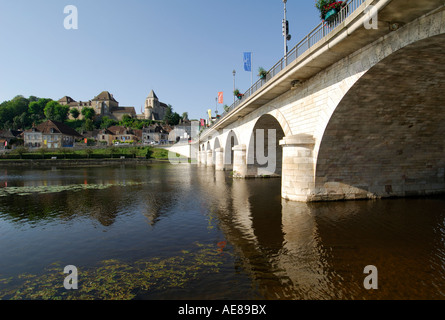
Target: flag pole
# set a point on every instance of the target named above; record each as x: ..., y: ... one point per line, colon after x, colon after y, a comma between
x: 251, y: 69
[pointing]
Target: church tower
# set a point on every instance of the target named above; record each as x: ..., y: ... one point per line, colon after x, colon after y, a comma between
x: 151, y: 104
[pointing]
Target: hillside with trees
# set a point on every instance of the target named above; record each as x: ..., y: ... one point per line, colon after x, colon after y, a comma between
x: 22, y: 113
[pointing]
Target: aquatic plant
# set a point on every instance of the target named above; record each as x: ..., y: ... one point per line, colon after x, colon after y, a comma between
x: 116, y: 280
x: 27, y: 190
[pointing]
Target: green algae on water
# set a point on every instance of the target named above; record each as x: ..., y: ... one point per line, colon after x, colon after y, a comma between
x: 28, y: 190
x: 117, y: 280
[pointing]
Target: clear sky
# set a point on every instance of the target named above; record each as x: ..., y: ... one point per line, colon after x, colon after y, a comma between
x: 183, y: 50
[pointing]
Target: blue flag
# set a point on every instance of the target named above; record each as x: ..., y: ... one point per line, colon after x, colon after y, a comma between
x: 247, y: 61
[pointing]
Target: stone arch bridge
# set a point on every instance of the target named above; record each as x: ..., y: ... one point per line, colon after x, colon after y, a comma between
x: 360, y: 114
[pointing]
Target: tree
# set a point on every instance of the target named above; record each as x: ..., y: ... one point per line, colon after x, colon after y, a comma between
x: 22, y: 121
x: 88, y: 152
x: 42, y: 151
x: 88, y: 113
x: 55, y: 111
x: 112, y: 151
x: 168, y: 114
x: 50, y: 110
x: 20, y: 151
x: 11, y: 109
x: 127, y: 121
x: 170, y: 117
x: 37, y: 108
x: 106, y: 122
x: 74, y: 113
x: 185, y: 116
x: 62, y: 113
x: 88, y: 125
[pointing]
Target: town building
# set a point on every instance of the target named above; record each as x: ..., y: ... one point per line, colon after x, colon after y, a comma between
x: 52, y: 135
x: 9, y: 137
x: 118, y: 134
x: 156, y: 134
x: 184, y: 131
x: 105, y: 104
x: 154, y: 109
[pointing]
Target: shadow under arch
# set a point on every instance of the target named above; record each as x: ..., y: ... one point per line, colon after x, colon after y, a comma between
x: 231, y: 141
x: 216, y: 145
x: 385, y: 138
x: 264, y: 153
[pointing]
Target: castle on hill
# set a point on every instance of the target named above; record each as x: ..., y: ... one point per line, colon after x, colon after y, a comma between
x: 105, y: 104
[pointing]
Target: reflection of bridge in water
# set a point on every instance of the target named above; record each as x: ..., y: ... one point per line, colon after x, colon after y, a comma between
x: 357, y: 115
x: 296, y: 250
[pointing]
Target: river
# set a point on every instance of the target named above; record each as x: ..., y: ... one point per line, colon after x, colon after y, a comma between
x: 162, y: 231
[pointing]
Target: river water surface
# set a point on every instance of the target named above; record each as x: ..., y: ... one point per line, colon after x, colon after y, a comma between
x: 164, y: 231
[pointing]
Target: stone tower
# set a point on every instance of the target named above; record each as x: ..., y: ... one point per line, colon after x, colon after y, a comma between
x: 151, y: 104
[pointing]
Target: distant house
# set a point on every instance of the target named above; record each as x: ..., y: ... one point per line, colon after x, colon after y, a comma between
x: 155, y: 134
x: 184, y: 131
x: 8, y: 137
x: 52, y: 135
x: 116, y: 134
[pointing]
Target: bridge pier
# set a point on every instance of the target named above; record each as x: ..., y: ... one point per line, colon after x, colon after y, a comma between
x: 298, y: 172
x: 239, y: 161
x: 209, y: 161
x: 203, y: 157
x: 219, y: 159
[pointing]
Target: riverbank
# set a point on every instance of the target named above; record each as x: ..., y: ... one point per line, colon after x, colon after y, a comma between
x: 76, y: 162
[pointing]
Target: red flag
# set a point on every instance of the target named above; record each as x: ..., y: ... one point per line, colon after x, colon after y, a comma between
x: 203, y: 123
x: 220, y: 98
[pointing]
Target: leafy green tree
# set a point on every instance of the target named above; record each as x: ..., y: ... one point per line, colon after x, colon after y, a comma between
x: 127, y: 121
x: 88, y: 152
x: 20, y: 151
x: 11, y: 109
x: 22, y: 121
x: 171, y: 117
x: 34, y: 108
x: 74, y: 113
x: 88, y: 113
x: 112, y: 151
x: 88, y: 125
x: 37, y: 107
x: 62, y: 113
x: 50, y: 110
x: 106, y: 122
x: 55, y: 111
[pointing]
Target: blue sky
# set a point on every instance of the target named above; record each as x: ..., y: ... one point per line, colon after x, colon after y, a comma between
x: 184, y: 50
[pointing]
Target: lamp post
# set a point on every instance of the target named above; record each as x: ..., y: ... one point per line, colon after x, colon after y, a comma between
x: 234, y: 73
x: 286, y: 34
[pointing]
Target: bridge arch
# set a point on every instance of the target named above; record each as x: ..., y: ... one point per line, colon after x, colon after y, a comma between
x: 264, y: 154
x: 385, y: 137
x: 216, y: 144
x: 216, y: 147
x: 230, y: 142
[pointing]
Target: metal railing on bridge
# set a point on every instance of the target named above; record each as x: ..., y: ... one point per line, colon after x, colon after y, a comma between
x: 322, y: 30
